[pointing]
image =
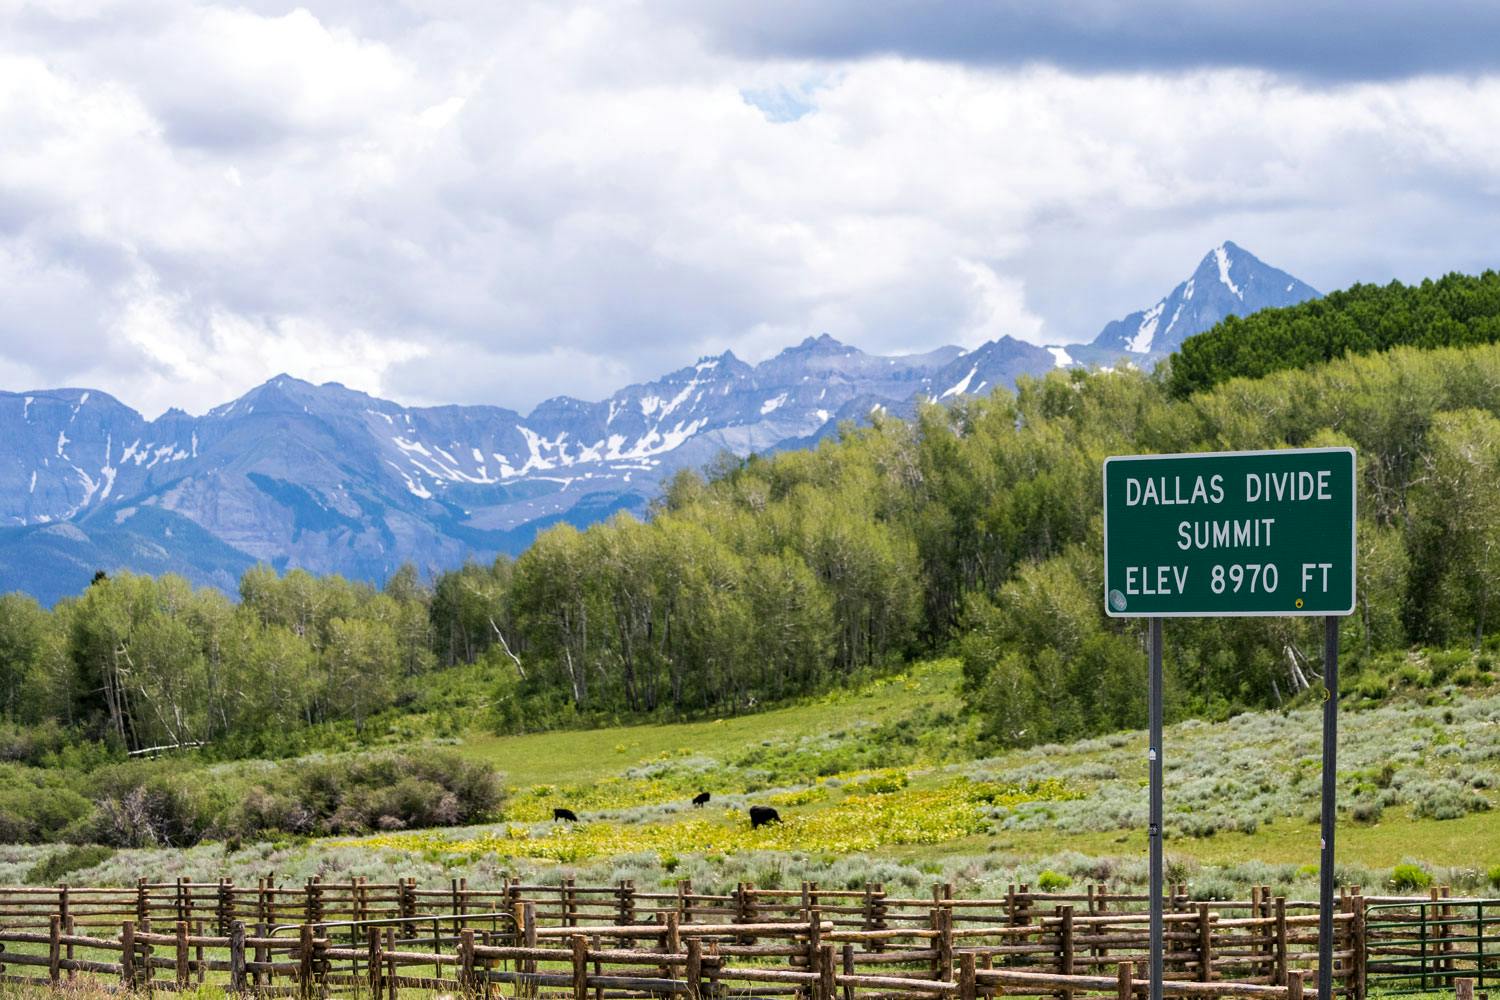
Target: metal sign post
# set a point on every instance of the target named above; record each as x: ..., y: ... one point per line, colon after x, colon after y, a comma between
x: 1234, y: 534
x: 1330, y: 791
x: 1154, y: 831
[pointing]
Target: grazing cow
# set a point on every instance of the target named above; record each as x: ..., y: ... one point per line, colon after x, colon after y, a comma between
x: 701, y: 799
x: 564, y: 814
x: 761, y: 815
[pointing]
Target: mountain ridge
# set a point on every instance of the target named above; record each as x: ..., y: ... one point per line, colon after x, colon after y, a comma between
x: 333, y: 479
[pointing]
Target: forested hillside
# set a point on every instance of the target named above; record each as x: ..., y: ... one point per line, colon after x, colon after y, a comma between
x: 1454, y: 311
x: 976, y: 525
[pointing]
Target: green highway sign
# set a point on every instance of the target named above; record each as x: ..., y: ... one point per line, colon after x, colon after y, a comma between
x: 1229, y: 534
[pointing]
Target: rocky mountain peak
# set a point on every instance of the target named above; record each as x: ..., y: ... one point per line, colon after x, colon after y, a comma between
x: 332, y: 479
x: 1228, y: 281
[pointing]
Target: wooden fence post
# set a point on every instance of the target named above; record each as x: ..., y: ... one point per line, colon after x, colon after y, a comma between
x: 942, y: 922
x: 1205, y: 944
x: 694, y: 970
x: 1463, y: 988
x: 1294, y: 984
x: 1359, y: 944
x: 372, y: 960
x: 627, y: 902
x: 744, y: 908
x: 1281, y: 967
x: 1125, y: 978
x: 68, y: 950
x: 127, y: 954
x: 393, y: 988
x: 144, y: 974
x: 225, y: 905
x: 305, y: 961
x: 1065, y: 954
x: 62, y: 902
x: 848, y: 969
x: 237, y: 956
x: 828, y: 974
x: 512, y: 891
x: 407, y: 893
x: 1260, y: 942
x: 528, y: 930
x: 142, y: 902
x: 673, y: 943
x: 1100, y: 952
x: 309, y: 902
x: 181, y: 936
x: 581, y: 967
x: 966, y: 985
x: 467, y: 980
x: 258, y: 977
x: 814, y: 936
x: 570, y: 902
x: 54, y: 948
x: 1344, y: 940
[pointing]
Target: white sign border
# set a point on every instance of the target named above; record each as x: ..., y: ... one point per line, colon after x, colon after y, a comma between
x: 1293, y: 613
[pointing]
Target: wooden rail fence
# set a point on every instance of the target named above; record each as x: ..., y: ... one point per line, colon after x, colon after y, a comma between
x: 620, y: 941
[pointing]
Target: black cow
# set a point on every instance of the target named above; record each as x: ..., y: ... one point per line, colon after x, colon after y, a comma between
x: 565, y: 814
x: 761, y: 815
x: 701, y: 799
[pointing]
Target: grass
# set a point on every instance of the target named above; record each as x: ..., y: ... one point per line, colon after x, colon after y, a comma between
x: 576, y: 756
x: 882, y: 782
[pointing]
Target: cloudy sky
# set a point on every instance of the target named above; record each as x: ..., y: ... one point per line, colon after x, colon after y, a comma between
x: 441, y: 201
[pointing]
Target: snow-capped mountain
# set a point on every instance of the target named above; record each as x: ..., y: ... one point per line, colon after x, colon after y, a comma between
x: 334, y: 480
x: 1229, y: 281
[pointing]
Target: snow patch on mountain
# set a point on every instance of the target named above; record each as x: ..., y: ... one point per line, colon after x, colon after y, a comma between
x: 962, y: 385
x: 1221, y: 256
x: 499, y: 475
x: 1146, y: 332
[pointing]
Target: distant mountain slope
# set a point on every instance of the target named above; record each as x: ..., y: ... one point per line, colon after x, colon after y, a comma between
x: 1229, y: 281
x: 334, y: 480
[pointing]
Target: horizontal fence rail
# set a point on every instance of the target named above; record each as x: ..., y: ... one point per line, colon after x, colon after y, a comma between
x: 1420, y: 946
x: 810, y: 943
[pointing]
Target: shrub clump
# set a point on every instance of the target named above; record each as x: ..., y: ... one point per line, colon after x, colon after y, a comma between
x: 1445, y: 799
x: 161, y: 804
x: 1051, y: 881
x: 36, y: 806
x: 59, y: 864
x: 1409, y: 877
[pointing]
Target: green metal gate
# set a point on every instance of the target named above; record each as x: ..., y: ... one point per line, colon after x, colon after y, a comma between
x: 1423, y: 946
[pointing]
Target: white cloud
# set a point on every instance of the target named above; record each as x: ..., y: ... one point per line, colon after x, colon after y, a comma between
x: 506, y: 205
